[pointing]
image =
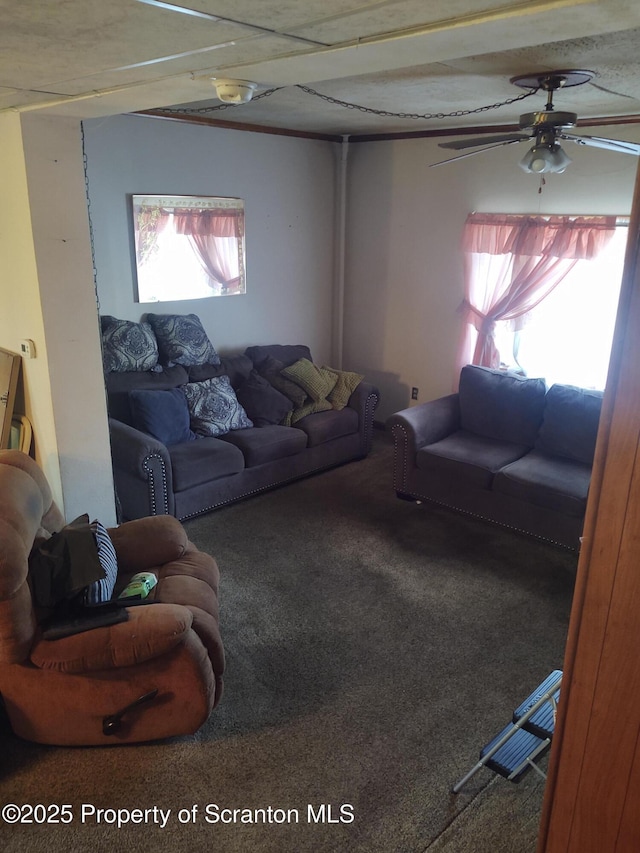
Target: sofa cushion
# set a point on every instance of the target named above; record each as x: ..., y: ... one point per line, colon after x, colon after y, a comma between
x: 471, y: 457
x: 286, y: 353
x: 315, y: 381
x: 270, y: 369
x: 501, y: 405
x: 325, y: 426
x: 547, y: 481
x: 267, y: 443
x: 162, y: 414
x: 182, y: 339
x: 214, y: 407
x: 197, y: 462
x: 570, y: 424
x: 127, y: 345
x: 263, y: 403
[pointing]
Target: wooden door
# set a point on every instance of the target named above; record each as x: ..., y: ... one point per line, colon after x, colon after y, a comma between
x: 592, y: 797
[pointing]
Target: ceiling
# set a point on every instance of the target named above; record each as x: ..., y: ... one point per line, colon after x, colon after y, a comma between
x: 88, y: 58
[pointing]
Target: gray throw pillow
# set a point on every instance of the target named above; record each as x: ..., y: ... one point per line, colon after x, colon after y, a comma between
x: 262, y: 402
x: 270, y: 369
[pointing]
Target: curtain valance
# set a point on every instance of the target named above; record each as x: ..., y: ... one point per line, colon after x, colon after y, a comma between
x: 577, y: 237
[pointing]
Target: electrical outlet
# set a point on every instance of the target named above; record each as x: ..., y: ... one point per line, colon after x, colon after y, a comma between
x: 414, y: 393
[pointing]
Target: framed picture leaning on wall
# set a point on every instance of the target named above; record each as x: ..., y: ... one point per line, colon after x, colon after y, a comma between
x: 9, y: 373
x: 188, y: 247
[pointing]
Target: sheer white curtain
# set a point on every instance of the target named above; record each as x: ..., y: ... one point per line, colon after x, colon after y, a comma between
x: 511, y: 263
x: 214, y: 236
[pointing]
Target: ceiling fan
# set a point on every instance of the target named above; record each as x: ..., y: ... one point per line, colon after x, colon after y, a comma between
x: 546, y: 128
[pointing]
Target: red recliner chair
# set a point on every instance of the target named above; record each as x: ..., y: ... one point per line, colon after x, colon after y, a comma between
x: 157, y: 674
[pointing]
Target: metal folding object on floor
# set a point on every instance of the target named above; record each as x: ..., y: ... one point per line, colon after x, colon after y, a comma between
x: 513, y: 751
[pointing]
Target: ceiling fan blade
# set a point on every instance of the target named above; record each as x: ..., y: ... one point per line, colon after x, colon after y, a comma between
x: 619, y: 145
x: 508, y: 141
x: 459, y: 144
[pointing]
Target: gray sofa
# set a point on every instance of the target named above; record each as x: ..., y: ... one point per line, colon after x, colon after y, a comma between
x: 505, y: 449
x: 196, y: 476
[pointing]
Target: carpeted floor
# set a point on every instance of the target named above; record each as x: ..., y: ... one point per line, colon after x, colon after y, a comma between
x: 373, y: 646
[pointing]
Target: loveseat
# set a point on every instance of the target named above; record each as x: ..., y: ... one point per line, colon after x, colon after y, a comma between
x: 86, y: 688
x: 275, y: 430
x: 504, y: 448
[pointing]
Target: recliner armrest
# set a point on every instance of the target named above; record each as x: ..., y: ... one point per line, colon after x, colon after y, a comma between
x: 149, y: 632
x: 144, y: 543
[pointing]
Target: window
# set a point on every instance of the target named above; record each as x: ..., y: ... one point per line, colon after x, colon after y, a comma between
x: 188, y: 247
x: 568, y: 335
x: 541, y: 294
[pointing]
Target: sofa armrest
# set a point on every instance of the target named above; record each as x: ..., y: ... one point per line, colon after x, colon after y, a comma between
x: 417, y: 427
x: 365, y: 400
x: 149, y: 632
x: 142, y: 472
x: 428, y: 422
x: 145, y: 543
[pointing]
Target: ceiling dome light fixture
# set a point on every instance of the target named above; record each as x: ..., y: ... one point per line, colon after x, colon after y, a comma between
x: 233, y: 91
x: 545, y: 158
x: 546, y: 155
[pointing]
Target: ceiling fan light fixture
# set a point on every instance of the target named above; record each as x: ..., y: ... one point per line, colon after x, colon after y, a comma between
x: 233, y: 91
x: 542, y: 159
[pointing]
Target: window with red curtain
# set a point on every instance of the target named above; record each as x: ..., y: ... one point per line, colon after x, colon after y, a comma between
x: 512, y: 265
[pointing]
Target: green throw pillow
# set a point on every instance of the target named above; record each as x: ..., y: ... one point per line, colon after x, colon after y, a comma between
x: 310, y: 409
x: 346, y: 383
x: 316, y: 381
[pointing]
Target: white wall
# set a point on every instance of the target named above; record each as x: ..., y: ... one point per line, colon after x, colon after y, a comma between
x: 404, y: 267
x: 288, y: 188
x: 48, y: 297
x: 21, y: 314
x: 57, y: 198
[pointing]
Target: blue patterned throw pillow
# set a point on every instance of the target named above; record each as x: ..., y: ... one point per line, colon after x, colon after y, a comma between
x: 214, y: 407
x: 182, y: 340
x: 127, y: 345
